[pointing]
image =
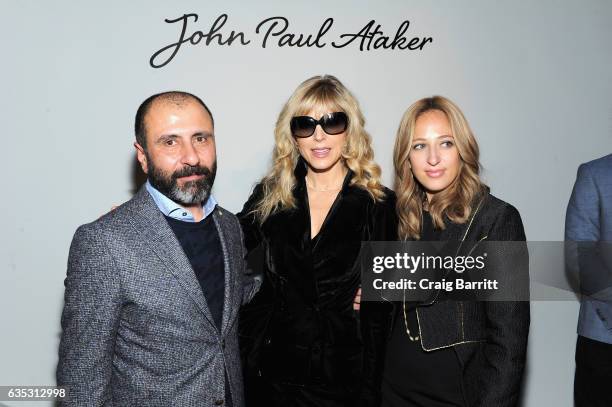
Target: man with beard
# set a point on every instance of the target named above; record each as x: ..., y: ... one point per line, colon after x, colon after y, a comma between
x: 154, y: 287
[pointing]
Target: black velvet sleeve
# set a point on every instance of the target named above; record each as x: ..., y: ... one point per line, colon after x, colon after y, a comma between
x: 250, y: 225
x: 375, y: 315
x: 507, y: 326
x: 252, y: 238
x: 255, y: 315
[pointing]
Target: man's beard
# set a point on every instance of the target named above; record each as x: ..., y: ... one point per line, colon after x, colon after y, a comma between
x: 191, y: 192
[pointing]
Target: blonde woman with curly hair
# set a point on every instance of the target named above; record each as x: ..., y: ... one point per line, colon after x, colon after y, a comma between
x: 302, y: 342
x: 449, y: 352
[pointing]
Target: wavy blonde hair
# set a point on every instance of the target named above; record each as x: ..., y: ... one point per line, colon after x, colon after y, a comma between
x: 357, y: 153
x: 454, y: 202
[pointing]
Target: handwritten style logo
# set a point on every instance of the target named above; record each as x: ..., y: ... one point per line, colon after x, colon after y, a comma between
x: 275, y: 31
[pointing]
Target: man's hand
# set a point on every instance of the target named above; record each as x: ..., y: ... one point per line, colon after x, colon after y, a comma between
x: 112, y: 209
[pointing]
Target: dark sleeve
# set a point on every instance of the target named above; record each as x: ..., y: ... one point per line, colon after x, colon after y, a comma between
x: 375, y: 314
x: 92, y: 309
x: 255, y: 314
x: 252, y: 238
x: 582, y: 216
x: 588, y: 258
x: 385, y: 219
x: 249, y: 223
x: 582, y: 231
x: 507, y: 324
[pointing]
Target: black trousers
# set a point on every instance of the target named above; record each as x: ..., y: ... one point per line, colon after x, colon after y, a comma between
x: 593, y: 379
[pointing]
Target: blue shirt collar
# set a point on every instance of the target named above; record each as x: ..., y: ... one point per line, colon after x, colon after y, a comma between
x: 173, y: 210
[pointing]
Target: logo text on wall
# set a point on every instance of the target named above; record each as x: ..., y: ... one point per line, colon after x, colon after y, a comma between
x: 276, y: 32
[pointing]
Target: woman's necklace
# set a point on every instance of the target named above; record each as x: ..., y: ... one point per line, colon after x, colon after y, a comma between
x: 326, y: 189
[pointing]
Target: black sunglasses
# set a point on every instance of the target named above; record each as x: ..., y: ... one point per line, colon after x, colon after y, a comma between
x: 331, y: 123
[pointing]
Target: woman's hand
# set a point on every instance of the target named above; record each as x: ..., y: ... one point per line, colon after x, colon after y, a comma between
x: 357, y: 300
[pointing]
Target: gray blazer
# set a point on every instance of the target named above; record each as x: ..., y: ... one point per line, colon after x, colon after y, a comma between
x: 136, y: 330
x: 589, y: 219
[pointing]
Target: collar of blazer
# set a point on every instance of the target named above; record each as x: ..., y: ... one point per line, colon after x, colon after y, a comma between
x: 157, y: 234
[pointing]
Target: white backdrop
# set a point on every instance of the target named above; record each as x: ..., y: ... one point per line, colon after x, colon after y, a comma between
x: 533, y: 78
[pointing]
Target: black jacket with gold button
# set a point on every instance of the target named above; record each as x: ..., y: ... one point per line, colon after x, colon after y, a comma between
x: 489, y: 337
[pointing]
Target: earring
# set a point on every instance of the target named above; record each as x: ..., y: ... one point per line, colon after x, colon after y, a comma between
x: 345, y: 149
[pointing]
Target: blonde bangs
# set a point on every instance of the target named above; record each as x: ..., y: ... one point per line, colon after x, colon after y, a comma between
x: 323, y: 97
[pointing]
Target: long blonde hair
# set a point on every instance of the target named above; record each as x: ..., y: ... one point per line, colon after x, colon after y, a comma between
x: 454, y: 202
x: 357, y: 153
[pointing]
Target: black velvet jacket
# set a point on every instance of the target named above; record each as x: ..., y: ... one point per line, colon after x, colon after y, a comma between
x: 301, y: 329
x: 490, y: 338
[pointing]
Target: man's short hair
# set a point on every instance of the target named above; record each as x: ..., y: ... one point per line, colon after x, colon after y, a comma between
x: 176, y: 97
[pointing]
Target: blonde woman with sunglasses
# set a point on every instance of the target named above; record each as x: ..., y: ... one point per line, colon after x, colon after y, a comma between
x: 302, y: 342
